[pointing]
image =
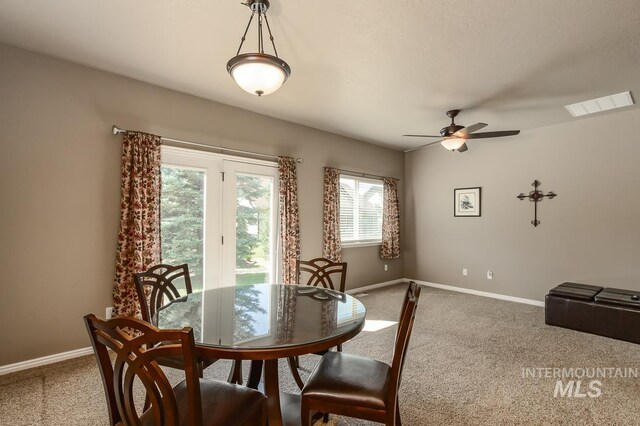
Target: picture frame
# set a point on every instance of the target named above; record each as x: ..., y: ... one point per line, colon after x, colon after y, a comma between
x: 467, y: 202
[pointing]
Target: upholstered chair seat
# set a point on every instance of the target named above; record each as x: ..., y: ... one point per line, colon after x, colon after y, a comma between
x: 222, y: 404
x: 350, y: 379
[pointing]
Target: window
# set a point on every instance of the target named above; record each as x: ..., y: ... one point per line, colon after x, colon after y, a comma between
x: 219, y: 215
x: 360, y: 210
x: 182, y: 219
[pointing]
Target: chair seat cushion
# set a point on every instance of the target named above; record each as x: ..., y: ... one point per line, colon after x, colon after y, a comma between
x: 349, y: 379
x: 222, y: 404
x: 576, y: 291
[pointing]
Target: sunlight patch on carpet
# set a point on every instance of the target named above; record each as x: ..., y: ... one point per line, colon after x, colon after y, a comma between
x: 377, y: 325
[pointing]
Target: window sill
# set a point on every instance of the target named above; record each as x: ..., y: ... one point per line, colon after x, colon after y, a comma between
x: 366, y: 244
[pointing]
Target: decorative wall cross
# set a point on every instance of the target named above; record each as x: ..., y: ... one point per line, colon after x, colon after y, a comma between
x: 535, y: 196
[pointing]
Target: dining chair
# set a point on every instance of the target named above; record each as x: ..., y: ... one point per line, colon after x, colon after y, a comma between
x: 318, y: 272
x: 193, y: 402
x: 158, y: 286
x: 360, y: 387
x: 322, y: 272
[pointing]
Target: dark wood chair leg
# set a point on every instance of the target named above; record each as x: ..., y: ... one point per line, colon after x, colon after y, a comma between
x: 305, y: 414
x: 325, y: 418
x: 272, y: 391
x: 294, y: 372
x: 235, y: 375
x: 255, y: 373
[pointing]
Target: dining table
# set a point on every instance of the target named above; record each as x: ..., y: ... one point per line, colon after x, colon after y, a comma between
x: 263, y: 323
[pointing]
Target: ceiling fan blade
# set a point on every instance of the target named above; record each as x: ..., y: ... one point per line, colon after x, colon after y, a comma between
x: 497, y: 134
x: 469, y: 129
x: 424, y: 136
x: 422, y: 146
x: 463, y: 148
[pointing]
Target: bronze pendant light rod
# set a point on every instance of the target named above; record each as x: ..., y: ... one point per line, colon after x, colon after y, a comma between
x: 273, y: 43
x: 244, y: 36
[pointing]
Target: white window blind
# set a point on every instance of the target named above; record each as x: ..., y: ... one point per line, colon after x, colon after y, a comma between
x: 360, y: 210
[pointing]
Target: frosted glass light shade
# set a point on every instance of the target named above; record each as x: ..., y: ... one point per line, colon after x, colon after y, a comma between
x: 453, y: 143
x: 258, y: 73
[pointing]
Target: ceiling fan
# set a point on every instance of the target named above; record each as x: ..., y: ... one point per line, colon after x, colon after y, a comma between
x: 455, y: 136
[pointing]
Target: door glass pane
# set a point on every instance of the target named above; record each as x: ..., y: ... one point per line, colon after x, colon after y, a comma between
x: 251, y: 319
x: 182, y: 220
x: 254, y: 229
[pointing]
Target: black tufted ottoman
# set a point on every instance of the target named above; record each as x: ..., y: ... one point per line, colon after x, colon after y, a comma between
x: 570, y: 305
x: 617, y: 314
x: 608, y: 312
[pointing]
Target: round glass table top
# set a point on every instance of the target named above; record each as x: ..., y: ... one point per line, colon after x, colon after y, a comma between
x: 262, y: 316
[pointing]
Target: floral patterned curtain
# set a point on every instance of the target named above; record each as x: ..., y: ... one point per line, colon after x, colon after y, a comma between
x: 331, y: 243
x: 328, y: 317
x: 390, y: 248
x: 289, y: 219
x: 286, y: 313
x: 139, y: 235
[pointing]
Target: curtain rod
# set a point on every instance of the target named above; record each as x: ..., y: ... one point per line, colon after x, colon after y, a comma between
x: 351, y: 172
x: 117, y: 130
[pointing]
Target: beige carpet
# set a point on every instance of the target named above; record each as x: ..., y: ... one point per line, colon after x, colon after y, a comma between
x: 464, y: 367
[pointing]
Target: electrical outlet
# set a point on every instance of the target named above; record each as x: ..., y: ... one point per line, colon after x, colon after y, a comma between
x: 489, y: 274
x: 386, y: 267
x: 464, y: 272
x: 108, y: 313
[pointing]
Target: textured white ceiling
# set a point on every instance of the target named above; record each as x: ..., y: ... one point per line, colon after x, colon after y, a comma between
x: 372, y: 70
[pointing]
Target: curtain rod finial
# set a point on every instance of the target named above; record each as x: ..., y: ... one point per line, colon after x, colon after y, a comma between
x: 115, y: 130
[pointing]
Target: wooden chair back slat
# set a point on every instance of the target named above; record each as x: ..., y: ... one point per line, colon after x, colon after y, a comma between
x: 135, y: 361
x: 403, y: 335
x: 157, y: 287
x: 322, y: 272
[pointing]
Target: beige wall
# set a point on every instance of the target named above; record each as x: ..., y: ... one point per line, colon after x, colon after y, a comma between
x: 589, y: 233
x: 59, y: 174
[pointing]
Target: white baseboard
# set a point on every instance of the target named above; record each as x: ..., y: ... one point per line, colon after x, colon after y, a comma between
x: 49, y: 359
x: 374, y: 286
x: 481, y: 293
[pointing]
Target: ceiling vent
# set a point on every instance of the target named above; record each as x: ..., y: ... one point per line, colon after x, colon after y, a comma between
x: 605, y: 103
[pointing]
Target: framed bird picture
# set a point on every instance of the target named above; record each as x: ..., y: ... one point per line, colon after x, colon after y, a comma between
x: 466, y: 202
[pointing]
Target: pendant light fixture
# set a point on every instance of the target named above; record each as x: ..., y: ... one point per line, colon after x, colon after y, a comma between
x: 258, y: 73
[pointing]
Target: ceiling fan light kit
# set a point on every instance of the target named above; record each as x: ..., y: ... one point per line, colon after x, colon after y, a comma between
x: 452, y: 143
x: 258, y: 73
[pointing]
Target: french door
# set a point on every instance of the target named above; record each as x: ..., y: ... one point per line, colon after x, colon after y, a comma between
x: 219, y: 215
